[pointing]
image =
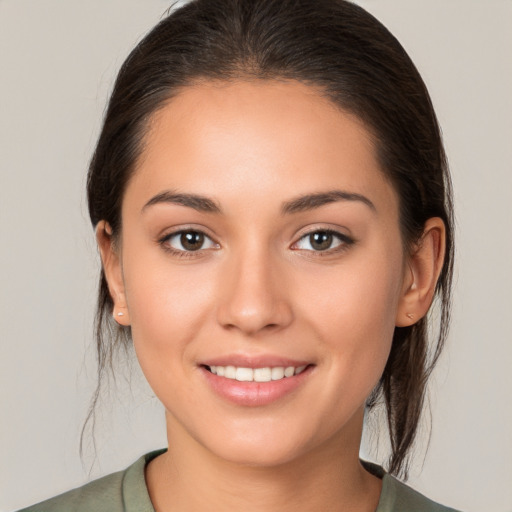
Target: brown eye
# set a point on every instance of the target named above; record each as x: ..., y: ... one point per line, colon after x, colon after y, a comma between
x: 188, y: 241
x: 321, y: 240
x: 192, y: 240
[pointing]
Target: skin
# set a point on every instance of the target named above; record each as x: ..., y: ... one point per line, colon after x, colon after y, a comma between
x: 258, y: 287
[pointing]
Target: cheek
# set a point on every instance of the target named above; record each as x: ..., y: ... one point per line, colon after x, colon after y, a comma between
x: 163, y: 298
x: 168, y: 304
x: 353, y: 308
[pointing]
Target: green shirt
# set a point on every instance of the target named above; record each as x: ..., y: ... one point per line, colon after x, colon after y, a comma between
x: 126, y: 491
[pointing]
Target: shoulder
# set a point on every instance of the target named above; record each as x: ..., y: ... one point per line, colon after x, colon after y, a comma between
x: 102, y: 494
x: 123, y: 491
x: 398, y: 497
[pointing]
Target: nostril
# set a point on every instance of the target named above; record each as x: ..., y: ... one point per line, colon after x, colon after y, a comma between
x: 249, y: 312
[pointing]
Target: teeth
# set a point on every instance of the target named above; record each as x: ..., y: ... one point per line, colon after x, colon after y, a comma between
x: 277, y: 373
x: 257, y: 374
x: 229, y: 372
x: 289, y: 371
x: 244, y: 374
x: 262, y: 375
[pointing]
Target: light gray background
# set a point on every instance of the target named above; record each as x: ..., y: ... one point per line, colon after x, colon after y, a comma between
x: 57, y: 62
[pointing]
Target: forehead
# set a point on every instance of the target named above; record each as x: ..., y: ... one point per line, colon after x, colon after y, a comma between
x: 259, y: 136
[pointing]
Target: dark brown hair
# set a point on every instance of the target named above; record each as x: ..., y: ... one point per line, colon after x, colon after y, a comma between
x: 340, y: 49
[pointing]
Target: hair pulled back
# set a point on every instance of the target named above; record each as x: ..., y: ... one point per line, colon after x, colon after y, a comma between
x: 340, y: 49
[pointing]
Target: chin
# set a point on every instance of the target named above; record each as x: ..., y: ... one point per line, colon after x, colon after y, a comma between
x: 262, y: 447
x: 258, y: 455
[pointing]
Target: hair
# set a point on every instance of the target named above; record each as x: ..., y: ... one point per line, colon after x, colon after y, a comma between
x: 344, y: 52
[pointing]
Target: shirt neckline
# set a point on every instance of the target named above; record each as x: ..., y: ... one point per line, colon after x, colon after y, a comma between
x: 136, y: 495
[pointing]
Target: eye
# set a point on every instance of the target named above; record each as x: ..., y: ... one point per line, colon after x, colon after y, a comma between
x: 188, y: 241
x: 323, y: 241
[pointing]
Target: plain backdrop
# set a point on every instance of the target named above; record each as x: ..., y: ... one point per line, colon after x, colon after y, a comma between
x: 58, y: 59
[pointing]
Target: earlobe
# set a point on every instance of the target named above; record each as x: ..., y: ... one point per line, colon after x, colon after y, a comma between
x: 111, y: 261
x: 423, y: 269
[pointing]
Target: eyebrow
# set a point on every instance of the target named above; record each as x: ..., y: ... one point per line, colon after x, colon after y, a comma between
x: 312, y: 201
x: 197, y: 202
x: 299, y: 204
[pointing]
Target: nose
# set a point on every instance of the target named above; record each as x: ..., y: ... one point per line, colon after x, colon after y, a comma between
x: 253, y: 297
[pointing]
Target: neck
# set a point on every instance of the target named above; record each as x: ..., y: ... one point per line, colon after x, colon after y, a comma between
x: 188, y: 477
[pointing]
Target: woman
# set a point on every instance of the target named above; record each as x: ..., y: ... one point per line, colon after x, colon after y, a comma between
x: 273, y: 211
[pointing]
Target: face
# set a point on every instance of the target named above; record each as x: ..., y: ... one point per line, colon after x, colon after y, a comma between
x: 261, y: 269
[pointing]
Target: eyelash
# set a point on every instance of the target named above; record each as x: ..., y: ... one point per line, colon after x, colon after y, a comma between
x: 344, y: 242
x: 164, y: 242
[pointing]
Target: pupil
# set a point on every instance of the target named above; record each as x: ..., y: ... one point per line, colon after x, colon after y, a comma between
x: 320, y: 240
x: 192, y: 241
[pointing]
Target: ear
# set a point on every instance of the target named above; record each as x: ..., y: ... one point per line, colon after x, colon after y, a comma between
x: 423, y: 268
x: 111, y: 260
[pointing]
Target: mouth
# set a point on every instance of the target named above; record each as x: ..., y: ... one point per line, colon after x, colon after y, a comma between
x: 256, y: 383
x: 264, y: 374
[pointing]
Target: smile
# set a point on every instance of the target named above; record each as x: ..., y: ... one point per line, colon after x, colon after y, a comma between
x: 266, y: 374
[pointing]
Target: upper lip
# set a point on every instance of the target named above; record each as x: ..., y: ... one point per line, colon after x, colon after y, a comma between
x: 254, y: 361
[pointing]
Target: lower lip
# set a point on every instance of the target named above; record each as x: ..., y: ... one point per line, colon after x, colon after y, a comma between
x: 254, y: 394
